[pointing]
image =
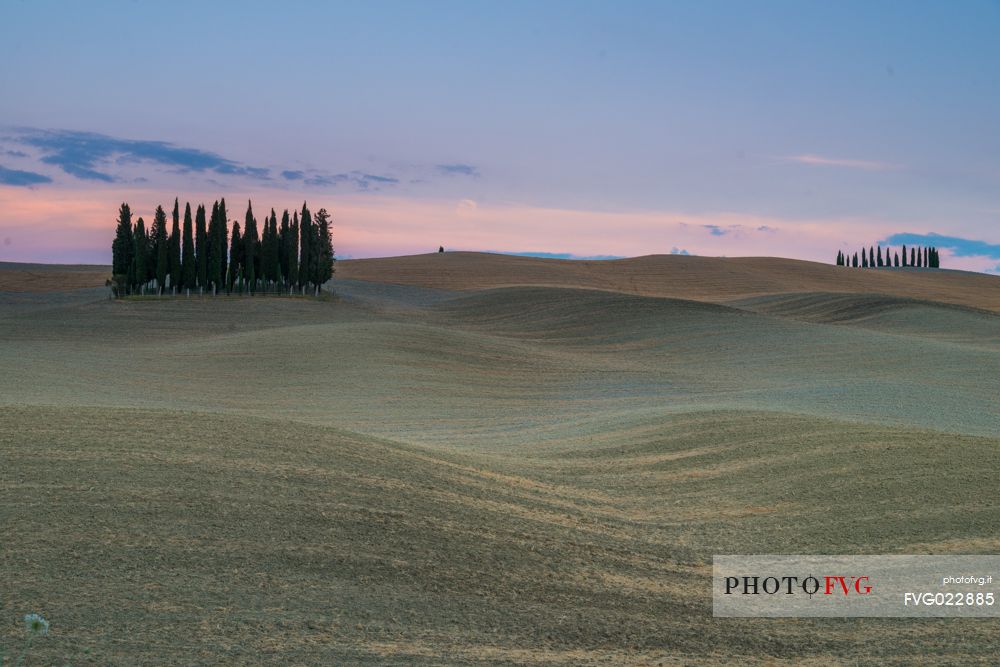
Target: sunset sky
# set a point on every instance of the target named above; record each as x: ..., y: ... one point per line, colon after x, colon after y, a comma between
x: 572, y: 128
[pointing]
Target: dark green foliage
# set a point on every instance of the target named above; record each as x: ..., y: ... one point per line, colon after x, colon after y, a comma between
x: 871, y: 257
x: 878, y: 257
x: 141, y: 265
x: 305, y: 240
x: 895, y: 259
x: 904, y: 256
x: 189, y: 270
x: 913, y: 256
x: 235, y: 257
x: 223, y: 240
x: 324, y: 249
x: 840, y: 257
x: 159, y: 243
x: 293, y: 251
x: 175, y: 249
x: 283, y: 245
x: 123, y: 247
x: 216, y: 248
x: 855, y: 264
x: 250, y: 243
x: 201, y: 246
x: 864, y: 259
x: 273, y: 254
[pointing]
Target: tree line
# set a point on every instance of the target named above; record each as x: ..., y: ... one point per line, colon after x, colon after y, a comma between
x: 922, y: 257
x: 295, y: 256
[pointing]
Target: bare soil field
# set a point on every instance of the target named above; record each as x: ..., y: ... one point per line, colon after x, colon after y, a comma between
x: 507, y: 470
x: 15, y: 277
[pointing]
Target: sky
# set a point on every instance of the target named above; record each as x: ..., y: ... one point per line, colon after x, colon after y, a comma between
x: 581, y: 129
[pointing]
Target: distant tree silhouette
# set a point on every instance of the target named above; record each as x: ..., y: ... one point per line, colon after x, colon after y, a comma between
x: 189, y: 268
x: 904, y: 255
x: 841, y: 257
x: 283, y: 246
x: 213, y: 253
x: 878, y: 257
x: 305, y: 240
x: 324, y: 250
x: 913, y: 256
x: 895, y: 259
x: 855, y: 262
x: 123, y: 247
x: 235, y: 259
x: 250, y: 249
x: 293, y: 251
x: 174, y: 261
x: 223, y: 241
x: 201, y: 247
x: 864, y: 260
x: 141, y: 264
x: 161, y: 255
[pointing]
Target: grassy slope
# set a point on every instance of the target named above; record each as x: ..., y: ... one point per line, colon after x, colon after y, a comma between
x: 700, y: 278
x: 516, y: 475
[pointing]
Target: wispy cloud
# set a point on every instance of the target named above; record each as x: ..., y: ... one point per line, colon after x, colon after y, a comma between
x: 458, y: 169
x: 958, y: 246
x: 24, y: 178
x: 90, y: 156
x: 560, y: 255
x: 822, y: 161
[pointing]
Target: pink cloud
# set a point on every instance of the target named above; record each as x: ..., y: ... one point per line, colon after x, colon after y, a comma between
x: 820, y: 161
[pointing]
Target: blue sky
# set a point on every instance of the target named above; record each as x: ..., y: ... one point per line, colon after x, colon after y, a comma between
x: 870, y: 118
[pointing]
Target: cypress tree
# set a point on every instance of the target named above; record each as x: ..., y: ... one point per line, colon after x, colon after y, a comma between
x: 223, y: 239
x: 864, y: 259
x: 274, y: 256
x: 324, y: 250
x: 904, y: 255
x: 189, y: 269
x: 235, y: 250
x: 925, y: 257
x: 141, y: 255
x: 840, y: 258
x: 913, y: 256
x: 201, y: 246
x: 216, y: 249
x: 878, y: 257
x: 305, y: 236
x: 123, y: 247
x: 162, y: 256
x: 871, y: 257
x: 293, y: 251
x: 855, y: 264
x: 175, y: 250
x: 250, y: 249
x: 283, y: 244
x: 895, y: 259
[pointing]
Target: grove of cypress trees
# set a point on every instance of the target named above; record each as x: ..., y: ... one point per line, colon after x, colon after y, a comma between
x: 201, y: 246
x: 175, y: 250
x: 189, y: 269
x: 123, y: 247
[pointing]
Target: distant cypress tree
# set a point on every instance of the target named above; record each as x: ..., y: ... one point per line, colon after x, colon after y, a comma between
x: 840, y: 258
x: 293, y: 251
x: 175, y: 250
x: 216, y: 249
x: 223, y: 241
x: 141, y: 255
x: 235, y: 261
x: 855, y: 264
x: 249, y: 249
x: 189, y: 268
x: 201, y: 246
x: 904, y: 255
x: 305, y: 236
x: 864, y: 259
x: 123, y: 247
x: 878, y: 257
x: 895, y: 259
x: 283, y: 244
x: 913, y: 256
x: 871, y: 257
x: 273, y: 255
x: 324, y: 250
x: 162, y: 256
